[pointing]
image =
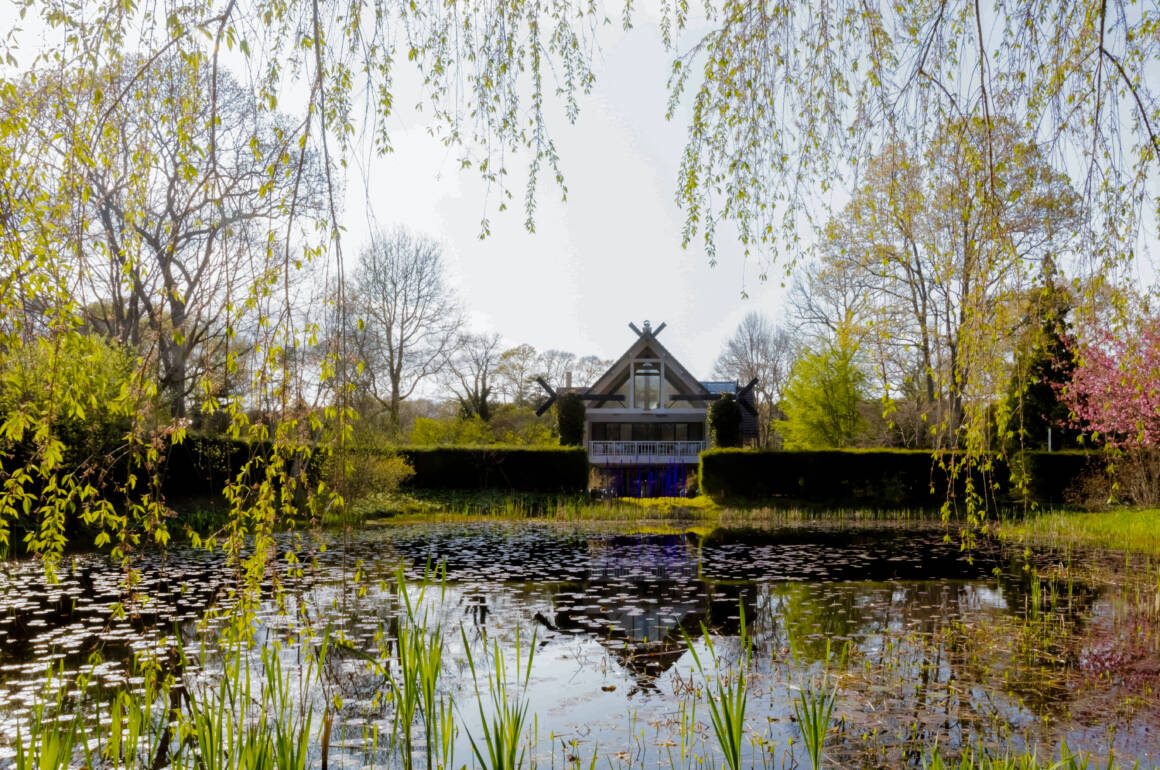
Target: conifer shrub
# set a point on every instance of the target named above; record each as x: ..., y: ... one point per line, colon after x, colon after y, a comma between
x: 570, y: 413
x: 725, y: 421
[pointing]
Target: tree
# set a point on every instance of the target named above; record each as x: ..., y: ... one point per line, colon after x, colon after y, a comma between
x: 725, y: 421
x: 472, y: 372
x: 516, y: 374
x: 1044, y: 366
x: 555, y: 365
x: 758, y: 349
x: 1114, y: 397
x: 407, y: 317
x: 177, y: 227
x: 822, y: 397
x: 1113, y: 390
x: 589, y: 369
x: 936, y: 263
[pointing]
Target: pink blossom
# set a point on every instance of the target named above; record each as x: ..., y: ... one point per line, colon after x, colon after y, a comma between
x: 1115, y: 389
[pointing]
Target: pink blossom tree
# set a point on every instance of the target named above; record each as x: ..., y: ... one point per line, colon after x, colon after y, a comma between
x: 1115, y: 390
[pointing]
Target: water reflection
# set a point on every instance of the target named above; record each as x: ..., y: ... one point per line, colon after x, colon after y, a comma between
x: 925, y: 642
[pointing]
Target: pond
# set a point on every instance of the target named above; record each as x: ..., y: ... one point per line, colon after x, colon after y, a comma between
x: 999, y: 650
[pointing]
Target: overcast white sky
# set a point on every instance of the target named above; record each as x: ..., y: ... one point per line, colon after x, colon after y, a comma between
x: 609, y: 255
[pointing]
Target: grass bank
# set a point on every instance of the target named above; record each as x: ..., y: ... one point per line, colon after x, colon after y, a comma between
x: 1123, y: 530
x: 447, y: 505
x: 645, y: 514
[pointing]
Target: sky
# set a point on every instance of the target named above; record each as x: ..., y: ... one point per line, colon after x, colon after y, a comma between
x: 611, y: 254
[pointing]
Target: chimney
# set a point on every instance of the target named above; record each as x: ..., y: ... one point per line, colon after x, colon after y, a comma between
x: 568, y: 380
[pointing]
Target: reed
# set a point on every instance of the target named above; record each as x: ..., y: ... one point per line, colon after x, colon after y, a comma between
x: 813, y: 709
x: 419, y: 653
x: 728, y: 696
x: 502, y: 745
x: 54, y: 733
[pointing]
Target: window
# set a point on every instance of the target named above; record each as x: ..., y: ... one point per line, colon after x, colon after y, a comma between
x: 646, y: 384
x: 620, y: 389
x: 672, y: 388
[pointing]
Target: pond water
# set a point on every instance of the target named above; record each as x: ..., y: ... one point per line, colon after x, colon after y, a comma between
x: 999, y: 650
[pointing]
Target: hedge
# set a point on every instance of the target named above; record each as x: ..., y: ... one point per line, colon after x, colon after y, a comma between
x: 203, y: 466
x: 1054, y: 477
x: 883, y: 477
x: 520, y: 469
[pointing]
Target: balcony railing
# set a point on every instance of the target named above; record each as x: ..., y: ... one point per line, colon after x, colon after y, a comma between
x: 645, y: 450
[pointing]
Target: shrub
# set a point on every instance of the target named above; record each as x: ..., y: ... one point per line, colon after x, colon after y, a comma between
x: 725, y: 421
x: 1055, y: 477
x: 570, y: 419
x: 369, y: 472
x: 1130, y: 475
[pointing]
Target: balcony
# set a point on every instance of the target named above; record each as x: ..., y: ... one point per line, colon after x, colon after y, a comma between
x: 633, y: 452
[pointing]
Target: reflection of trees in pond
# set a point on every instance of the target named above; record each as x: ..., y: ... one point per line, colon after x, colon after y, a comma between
x: 806, y: 617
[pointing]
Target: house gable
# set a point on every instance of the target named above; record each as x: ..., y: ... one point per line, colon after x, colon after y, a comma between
x: 676, y: 378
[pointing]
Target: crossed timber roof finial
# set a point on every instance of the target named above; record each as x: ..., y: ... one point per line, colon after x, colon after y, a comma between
x: 648, y: 330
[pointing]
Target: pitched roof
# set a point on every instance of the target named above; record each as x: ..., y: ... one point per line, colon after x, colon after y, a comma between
x: 646, y: 339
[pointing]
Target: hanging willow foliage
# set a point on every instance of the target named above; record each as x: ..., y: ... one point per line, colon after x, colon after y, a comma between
x: 154, y: 199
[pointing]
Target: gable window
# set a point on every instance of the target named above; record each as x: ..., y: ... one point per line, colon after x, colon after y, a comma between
x: 620, y: 388
x: 646, y: 384
x: 672, y: 388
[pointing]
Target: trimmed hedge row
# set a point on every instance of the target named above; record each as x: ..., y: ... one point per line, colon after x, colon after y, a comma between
x: 203, y: 466
x: 521, y: 469
x: 1053, y: 477
x: 897, y: 478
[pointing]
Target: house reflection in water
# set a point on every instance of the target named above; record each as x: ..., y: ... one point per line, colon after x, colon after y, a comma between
x: 643, y: 594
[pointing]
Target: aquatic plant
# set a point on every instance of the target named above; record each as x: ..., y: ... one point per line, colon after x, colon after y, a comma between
x: 813, y: 709
x: 503, y: 736
x: 53, y: 733
x: 419, y: 654
x: 978, y: 759
x: 728, y: 696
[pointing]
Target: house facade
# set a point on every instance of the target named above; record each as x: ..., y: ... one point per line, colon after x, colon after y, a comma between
x: 646, y: 420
